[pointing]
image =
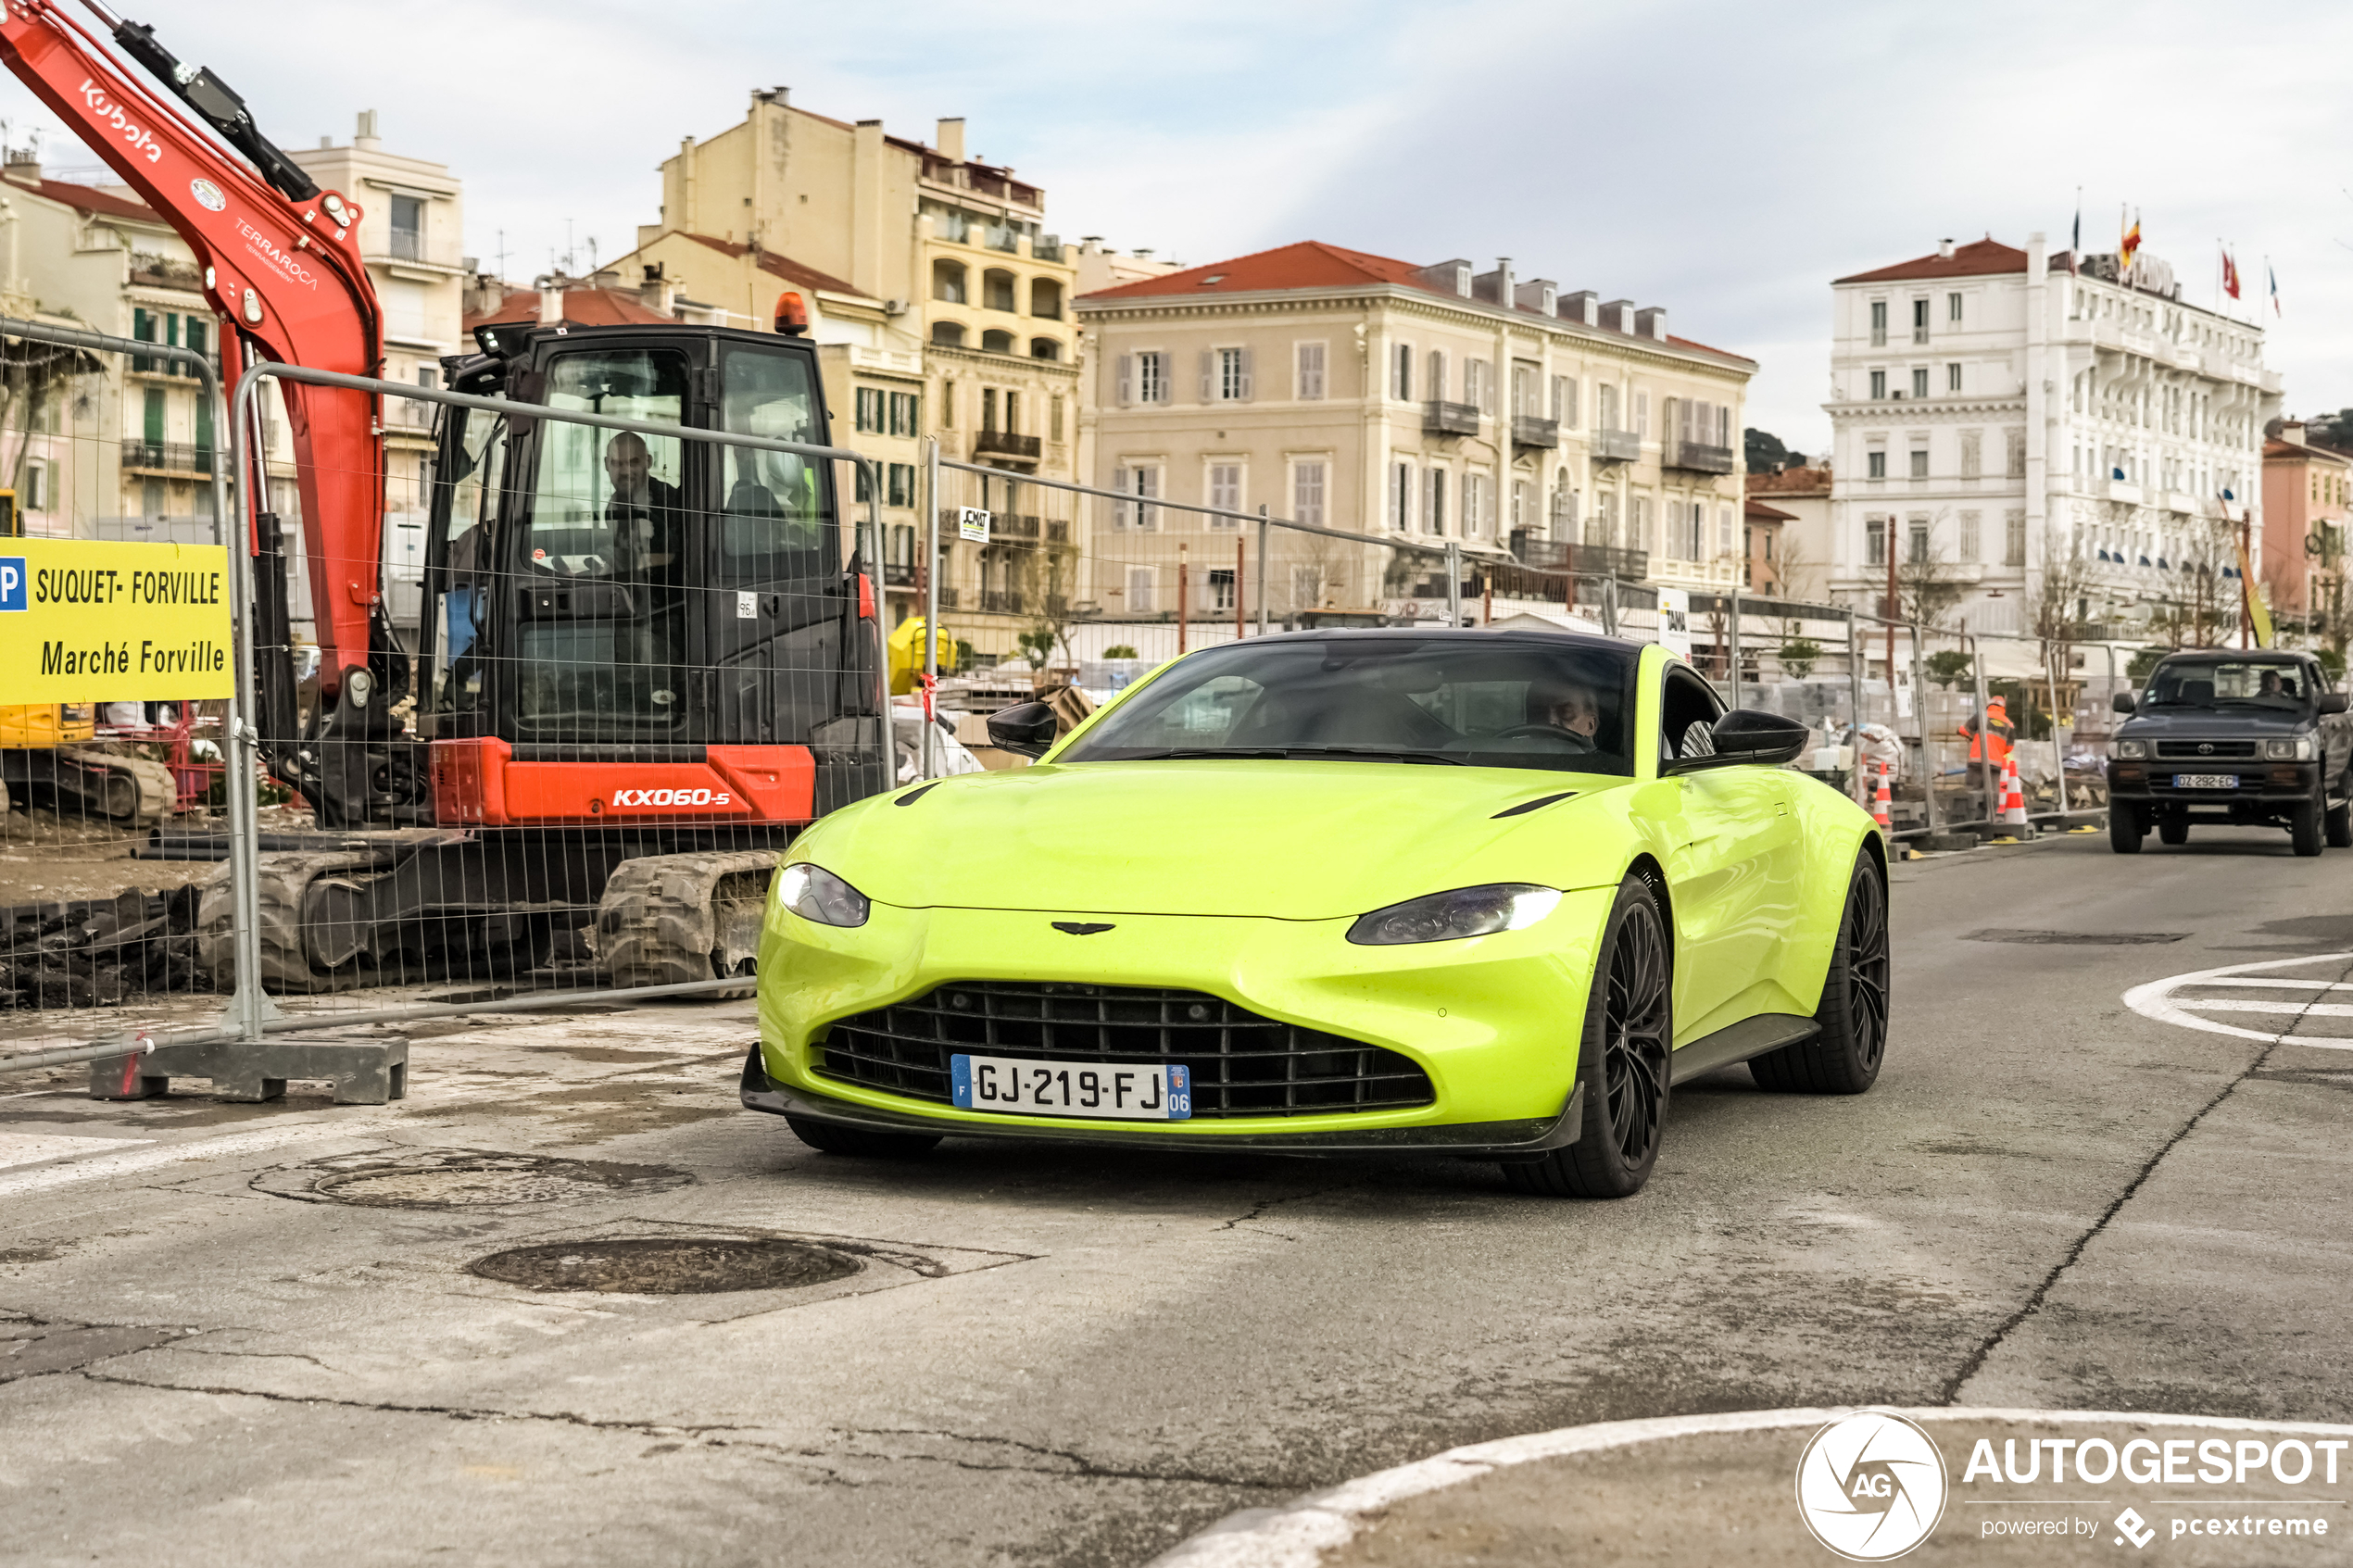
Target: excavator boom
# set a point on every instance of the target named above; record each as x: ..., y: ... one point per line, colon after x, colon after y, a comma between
x: 281, y: 260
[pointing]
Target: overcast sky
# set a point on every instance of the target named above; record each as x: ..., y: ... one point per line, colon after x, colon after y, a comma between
x: 1725, y: 160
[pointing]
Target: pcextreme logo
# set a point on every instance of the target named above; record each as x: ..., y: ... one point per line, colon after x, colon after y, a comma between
x: 1872, y: 1487
x: 670, y: 798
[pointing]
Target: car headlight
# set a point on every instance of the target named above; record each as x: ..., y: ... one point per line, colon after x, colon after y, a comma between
x: 2132, y: 750
x: 1447, y: 916
x: 815, y: 894
x: 2297, y: 750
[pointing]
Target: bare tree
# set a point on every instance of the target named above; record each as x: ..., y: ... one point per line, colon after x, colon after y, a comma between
x: 2059, y: 606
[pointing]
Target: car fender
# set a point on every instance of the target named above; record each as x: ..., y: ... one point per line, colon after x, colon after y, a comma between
x: 1841, y: 830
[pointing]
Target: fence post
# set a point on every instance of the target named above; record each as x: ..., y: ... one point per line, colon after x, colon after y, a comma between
x: 1920, y: 708
x: 1261, y: 570
x: 2058, y: 746
x: 1992, y: 787
x: 931, y: 604
x: 1609, y: 605
x: 1454, y: 584
x: 1855, y: 704
x: 1184, y: 597
x: 1735, y: 647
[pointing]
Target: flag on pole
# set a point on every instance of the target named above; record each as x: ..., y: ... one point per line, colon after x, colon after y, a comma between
x: 2230, y: 274
x: 2127, y: 248
x: 2274, y: 279
x: 2075, y: 241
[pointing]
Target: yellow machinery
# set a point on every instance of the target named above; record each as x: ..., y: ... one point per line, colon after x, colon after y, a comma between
x: 42, y: 755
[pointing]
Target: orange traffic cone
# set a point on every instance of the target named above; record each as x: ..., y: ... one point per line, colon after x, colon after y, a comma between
x: 1881, y: 802
x: 2013, y: 801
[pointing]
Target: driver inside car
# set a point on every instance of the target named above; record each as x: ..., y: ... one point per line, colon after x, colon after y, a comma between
x: 1567, y: 705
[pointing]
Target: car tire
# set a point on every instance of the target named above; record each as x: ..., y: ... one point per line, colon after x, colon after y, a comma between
x: 2173, y: 829
x: 2305, y: 829
x: 1850, y: 1042
x: 2124, y: 830
x: 827, y: 1137
x: 1622, y: 1061
x: 2338, y: 825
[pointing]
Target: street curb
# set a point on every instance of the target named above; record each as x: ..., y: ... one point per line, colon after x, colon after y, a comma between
x: 1298, y: 1533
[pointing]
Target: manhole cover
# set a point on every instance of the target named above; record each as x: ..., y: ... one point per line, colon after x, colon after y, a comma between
x: 462, y: 1179
x: 666, y: 1266
x: 2078, y: 939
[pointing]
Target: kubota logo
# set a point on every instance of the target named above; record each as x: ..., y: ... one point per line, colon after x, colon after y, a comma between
x: 670, y: 798
x: 141, y: 141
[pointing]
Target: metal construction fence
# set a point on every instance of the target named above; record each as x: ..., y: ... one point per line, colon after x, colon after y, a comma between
x: 643, y: 646
x: 540, y: 745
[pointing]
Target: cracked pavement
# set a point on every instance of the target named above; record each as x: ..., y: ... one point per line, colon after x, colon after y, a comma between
x: 1061, y: 1357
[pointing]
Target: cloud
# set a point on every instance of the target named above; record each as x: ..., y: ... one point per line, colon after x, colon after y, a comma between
x: 1725, y: 160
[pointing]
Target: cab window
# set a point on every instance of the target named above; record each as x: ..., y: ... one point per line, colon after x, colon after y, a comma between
x: 1688, y: 711
x: 775, y: 506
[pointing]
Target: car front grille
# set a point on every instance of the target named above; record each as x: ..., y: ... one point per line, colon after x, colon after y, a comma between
x: 1241, y: 1064
x: 2203, y: 750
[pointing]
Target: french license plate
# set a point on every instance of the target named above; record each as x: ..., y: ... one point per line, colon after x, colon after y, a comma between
x: 1121, y: 1092
x: 2205, y: 780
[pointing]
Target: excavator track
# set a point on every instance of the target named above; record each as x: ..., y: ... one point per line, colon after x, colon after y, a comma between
x: 666, y: 920
x: 87, y: 782
x: 284, y: 882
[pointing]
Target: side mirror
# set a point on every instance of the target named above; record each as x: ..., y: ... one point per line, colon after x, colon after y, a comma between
x: 2122, y: 702
x: 1745, y: 737
x: 1026, y: 729
x: 2332, y: 702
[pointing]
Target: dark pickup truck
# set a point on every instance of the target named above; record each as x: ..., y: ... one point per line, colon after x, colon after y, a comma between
x: 2242, y: 737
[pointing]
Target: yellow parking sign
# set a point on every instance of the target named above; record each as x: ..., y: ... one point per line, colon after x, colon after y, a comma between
x: 83, y: 620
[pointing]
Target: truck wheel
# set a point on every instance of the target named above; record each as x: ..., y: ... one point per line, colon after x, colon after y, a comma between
x: 2173, y: 829
x: 2304, y: 825
x: 2338, y: 825
x: 2124, y: 829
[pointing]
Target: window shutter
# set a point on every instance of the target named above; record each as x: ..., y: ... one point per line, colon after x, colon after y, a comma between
x: 1127, y: 379
x: 1245, y: 378
x: 1436, y: 376
x: 1122, y: 513
x: 1208, y: 375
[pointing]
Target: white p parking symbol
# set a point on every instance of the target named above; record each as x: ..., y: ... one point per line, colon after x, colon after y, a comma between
x: 12, y: 595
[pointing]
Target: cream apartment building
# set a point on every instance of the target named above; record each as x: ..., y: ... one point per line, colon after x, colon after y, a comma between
x: 957, y: 252
x: 1404, y: 402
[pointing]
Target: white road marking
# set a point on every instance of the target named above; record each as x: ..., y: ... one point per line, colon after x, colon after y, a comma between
x: 2160, y: 999
x: 26, y: 1149
x: 1298, y: 1533
x: 2296, y: 1010
x: 2288, y: 985
x: 130, y: 1164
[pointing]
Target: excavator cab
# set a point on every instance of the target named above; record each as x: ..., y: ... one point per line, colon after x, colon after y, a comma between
x: 603, y: 608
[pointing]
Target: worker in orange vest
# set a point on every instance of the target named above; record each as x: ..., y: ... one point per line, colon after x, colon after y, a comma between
x: 1989, y: 741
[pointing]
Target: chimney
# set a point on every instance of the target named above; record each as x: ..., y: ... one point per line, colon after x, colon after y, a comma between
x: 2292, y: 431
x: 1495, y: 288
x: 366, y: 141
x: 24, y: 165
x: 1944, y: 249
x: 551, y: 305
x: 1650, y: 322
x: 950, y: 139
x: 1584, y: 308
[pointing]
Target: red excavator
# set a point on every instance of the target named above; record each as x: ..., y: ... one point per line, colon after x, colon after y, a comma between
x: 645, y: 661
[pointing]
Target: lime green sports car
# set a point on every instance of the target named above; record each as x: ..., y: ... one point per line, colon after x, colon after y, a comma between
x: 1486, y: 894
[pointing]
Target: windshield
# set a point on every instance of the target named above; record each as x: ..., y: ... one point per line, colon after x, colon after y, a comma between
x: 1509, y: 703
x: 2283, y: 684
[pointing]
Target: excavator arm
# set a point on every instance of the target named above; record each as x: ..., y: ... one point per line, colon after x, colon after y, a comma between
x: 281, y: 260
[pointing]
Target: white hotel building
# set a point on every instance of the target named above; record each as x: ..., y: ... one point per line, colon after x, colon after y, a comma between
x: 1994, y: 413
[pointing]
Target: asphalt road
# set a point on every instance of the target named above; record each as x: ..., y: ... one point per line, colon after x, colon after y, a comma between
x: 236, y: 1334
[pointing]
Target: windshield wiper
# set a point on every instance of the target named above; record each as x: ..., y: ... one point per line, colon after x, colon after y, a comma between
x: 1289, y: 753
x: 1258, y: 754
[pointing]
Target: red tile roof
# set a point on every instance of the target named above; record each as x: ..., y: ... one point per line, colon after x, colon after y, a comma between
x: 89, y: 200
x: 1310, y: 264
x: 2274, y: 447
x: 1977, y: 260
x: 784, y: 267
x: 1771, y: 514
x: 583, y: 308
x: 1799, y: 481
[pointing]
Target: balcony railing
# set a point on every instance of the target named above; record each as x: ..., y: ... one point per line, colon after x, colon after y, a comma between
x: 899, y: 573
x: 1003, y: 444
x: 1046, y: 248
x: 167, y: 457
x: 1003, y: 601
x: 1586, y: 561
x: 1001, y: 236
x: 1529, y: 430
x: 408, y: 244
x: 1449, y: 418
x: 1616, y: 446
x: 1699, y: 457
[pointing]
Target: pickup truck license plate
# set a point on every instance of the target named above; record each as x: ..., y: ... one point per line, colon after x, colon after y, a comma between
x: 2205, y: 780
x: 1120, y: 1091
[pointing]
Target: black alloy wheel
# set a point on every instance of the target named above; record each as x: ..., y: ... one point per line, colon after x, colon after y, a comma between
x: 1844, y: 1056
x: 1621, y: 1061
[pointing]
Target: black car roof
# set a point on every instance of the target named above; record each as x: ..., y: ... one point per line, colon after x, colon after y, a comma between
x: 2230, y: 655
